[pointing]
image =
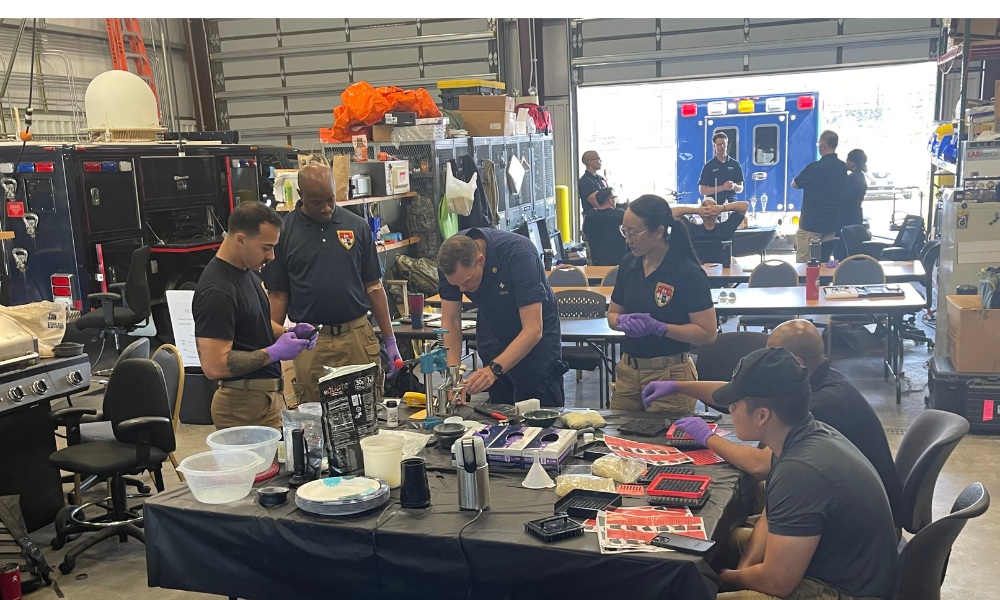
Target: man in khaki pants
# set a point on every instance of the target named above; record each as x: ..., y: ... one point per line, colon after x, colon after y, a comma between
x: 823, y: 184
x: 326, y: 272
x: 238, y: 343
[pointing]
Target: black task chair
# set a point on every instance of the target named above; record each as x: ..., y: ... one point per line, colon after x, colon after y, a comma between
x: 929, y: 256
x: 924, y: 560
x: 718, y: 360
x: 922, y: 453
x: 114, y: 320
x: 713, y: 251
x: 585, y: 304
x: 136, y: 403
x: 84, y: 426
x: 906, y: 245
x: 753, y: 243
x: 854, y: 236
x: 772, y: 273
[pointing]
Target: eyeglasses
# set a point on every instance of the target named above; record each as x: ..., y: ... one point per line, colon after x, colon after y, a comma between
x: 628, y: 234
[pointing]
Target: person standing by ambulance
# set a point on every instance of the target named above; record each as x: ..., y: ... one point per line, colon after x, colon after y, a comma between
x: 722, y: 177
x: 663, y: 303
x: 823, y: 183
x: 326, y: 272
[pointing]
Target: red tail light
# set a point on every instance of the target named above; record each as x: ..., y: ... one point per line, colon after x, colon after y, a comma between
x: 689, y: 110
x: 60, y: 280
x: 806, y: 102
x: 62, y: 292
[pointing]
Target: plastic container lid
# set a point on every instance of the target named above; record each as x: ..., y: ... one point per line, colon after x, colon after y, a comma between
x: 378, y: 444
x: 258, y: 439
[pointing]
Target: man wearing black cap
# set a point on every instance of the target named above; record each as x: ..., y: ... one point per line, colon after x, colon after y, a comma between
x: 826, y: 531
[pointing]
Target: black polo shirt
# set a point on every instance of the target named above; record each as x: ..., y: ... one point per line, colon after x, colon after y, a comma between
x: 716, y: 173
x: 589, y: 183
x: 822, y: 485
x: 823, y: 184
x: 230, y: 304
x: 854, y: 195
x: 722, y: 231
x: 323, y: 267
x: 678, y: 287
x: 513, y: 277
x: 836, y: 402
x: 604, y: 236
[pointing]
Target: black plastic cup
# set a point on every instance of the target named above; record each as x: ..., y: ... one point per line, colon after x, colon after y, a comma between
x: 414, y: 492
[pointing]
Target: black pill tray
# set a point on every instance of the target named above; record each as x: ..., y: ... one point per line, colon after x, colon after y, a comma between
x: 585, y: 504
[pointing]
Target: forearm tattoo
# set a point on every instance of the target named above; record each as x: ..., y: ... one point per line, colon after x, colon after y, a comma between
x: 241, y: 363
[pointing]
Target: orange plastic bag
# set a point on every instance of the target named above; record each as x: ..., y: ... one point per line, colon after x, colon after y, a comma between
x: 363, y: 106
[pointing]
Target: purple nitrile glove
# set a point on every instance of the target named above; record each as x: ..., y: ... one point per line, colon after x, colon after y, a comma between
x: 624, y: 322
x: 657, y: 389
x: 695, y: 427
x: 393, y: 353
x: 286, y: 347
x: 644, y: 324
x: 300, y: 329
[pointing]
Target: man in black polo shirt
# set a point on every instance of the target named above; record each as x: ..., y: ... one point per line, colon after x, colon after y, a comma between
x: 603, y: 230
x: 238, y: 342
x: 722, y: 177
x: 826, y: 532
x: 822, y: 183
x: 590, y: 182
x: 326, y: 271
x: 833, y: 401
x: 709, y: 212
x: 517, y: 327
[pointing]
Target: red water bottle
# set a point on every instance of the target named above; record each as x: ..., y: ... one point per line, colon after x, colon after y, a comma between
x: 812, y: 280
x: 10, y: 582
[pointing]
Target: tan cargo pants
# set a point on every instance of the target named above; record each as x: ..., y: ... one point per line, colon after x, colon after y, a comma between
x: 809, y: 589
x: 630, y: 382
x: 233, y: 407
x: 357, y: 346
x: 802, y: 239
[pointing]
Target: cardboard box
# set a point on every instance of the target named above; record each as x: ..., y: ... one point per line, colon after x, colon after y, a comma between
x: 288, y: 374
x: 485, y: 123
x: 484, y: 103
x: 555, y: 446
x: 981, y: 27
x: 382, y: 132
x: 973, y: 335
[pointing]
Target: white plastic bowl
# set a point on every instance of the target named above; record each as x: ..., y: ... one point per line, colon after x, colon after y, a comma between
x: 220, y: 476
x: 261, y: 440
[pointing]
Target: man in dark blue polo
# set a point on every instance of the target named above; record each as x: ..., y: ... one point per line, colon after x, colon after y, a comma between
x: 517, y: 328
x: 326, y: 272
x: 822, y: 183
x: 722, y: 177
x: 590, y: 182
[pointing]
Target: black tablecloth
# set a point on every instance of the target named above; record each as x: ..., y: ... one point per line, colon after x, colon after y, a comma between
x: 244, y: 550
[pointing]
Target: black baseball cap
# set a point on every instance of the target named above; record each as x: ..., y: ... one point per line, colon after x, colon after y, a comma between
x: 772, y: 373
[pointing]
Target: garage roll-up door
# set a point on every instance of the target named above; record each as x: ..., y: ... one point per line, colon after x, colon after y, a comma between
x: 277, y: 81
x: 610, y: 51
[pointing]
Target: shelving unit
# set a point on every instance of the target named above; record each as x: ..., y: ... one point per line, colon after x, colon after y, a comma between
x: 371, y: 199
x: 396, y: 245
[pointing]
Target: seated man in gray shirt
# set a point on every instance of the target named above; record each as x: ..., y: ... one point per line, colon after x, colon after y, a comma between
x: 826, y: 532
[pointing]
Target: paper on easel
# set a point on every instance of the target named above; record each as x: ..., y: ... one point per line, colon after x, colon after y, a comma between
x: 182, y: 322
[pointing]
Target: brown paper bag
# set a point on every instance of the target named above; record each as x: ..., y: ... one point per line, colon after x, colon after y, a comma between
x: 341, y: 175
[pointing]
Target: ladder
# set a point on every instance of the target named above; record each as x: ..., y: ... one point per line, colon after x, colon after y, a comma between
x: 120, y: 30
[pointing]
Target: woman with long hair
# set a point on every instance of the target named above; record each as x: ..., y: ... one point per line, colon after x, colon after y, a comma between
x: 663, y: 303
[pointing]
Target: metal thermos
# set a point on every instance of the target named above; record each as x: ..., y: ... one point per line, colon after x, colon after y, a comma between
x: 473, y: 474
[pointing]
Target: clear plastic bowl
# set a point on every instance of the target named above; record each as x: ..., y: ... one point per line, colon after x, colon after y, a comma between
x: 220, y: 476
x: 258, y: 439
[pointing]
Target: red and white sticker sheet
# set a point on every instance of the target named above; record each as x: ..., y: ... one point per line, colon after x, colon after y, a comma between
x: 631, y: 529
x: 652, y: 454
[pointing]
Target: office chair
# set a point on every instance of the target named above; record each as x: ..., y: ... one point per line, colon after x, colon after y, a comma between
x: 113, y: 320
x: 858, y: 269
x: 718, y: 360
x: 923, y: 561
x: 713, y: 251
x: 585, y: 304
x: 854, y: 237
x: 905, y: 247
x: 750, y: 243
x: 929, y: 255
x: 567, y: 276
x: 172, y: 365
x: 611, y: 278
x: 136, y: 403
x: 922, y: 453
x: 772, y: 273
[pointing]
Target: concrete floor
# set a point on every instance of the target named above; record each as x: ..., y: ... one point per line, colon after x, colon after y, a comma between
x: 112, y: 569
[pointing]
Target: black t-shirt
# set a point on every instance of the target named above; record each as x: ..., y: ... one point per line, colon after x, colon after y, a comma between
x: 822, y: 485
x: 836, y: 402
x: 324, y: 266
x: 716, y: 173
x: 823, y: 183
x: 513, y: 277
x: 230, y: 304
x: 607, y: 244
x: 722, y: 231
x: 589, y: 183
x: 854, y: 195
x: 678, y: 287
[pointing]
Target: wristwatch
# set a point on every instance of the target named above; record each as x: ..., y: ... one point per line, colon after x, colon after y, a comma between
x: 496, y: 368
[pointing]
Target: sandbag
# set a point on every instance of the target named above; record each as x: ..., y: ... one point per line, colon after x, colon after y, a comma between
x: 45, y: 320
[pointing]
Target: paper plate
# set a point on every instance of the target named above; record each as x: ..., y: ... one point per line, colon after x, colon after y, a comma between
x: 338, y: 489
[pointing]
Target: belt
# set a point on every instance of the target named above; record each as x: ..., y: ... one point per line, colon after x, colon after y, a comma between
x: 659, y: 362
x: 256, y: 385
x: 336, y: 330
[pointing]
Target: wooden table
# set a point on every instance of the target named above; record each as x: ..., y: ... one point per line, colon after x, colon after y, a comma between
x: 896, y: 271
